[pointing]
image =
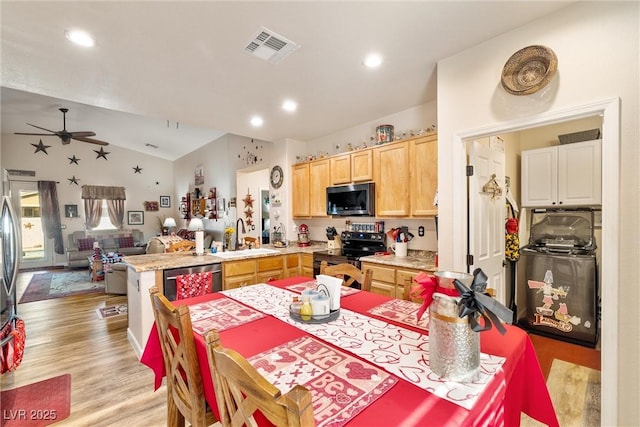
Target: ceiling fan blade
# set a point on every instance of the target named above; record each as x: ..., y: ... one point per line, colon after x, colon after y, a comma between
x: 38, y: 127
x: 82, y: 134
x: 90, y: 140
x: 37, y: 134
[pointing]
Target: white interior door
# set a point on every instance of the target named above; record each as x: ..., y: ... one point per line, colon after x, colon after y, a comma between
x: 487, y: 211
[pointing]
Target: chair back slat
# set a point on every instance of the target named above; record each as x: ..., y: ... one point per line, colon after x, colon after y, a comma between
x: 241, y: 390
x: 349, y: 273
x: 185, y: 392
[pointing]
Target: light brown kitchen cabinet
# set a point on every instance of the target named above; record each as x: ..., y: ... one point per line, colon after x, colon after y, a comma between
x: 391, y: 176
x: 307, y: 264
x: 270, y: 268
x: 293, y: 265
x: 309, y: 187
x: 356, y: 166
x: 251, y: 271
x: 238, y: 273
x: 383, y: 280
x: 300, y: 190
x: 423, y: 184
x: 389, y: 280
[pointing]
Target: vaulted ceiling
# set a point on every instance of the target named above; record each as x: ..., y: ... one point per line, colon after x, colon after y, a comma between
x: 177, y: 75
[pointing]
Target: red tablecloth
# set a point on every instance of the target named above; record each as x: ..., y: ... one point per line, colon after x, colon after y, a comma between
x: 523, y: 389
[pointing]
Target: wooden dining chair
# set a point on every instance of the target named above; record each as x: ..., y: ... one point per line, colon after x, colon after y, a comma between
x: 185, y: 393
x: 349, y: 273
x: 241, y: 391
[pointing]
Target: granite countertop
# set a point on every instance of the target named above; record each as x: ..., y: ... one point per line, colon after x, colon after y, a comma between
x: 165, y: 261
x: 422, y: 260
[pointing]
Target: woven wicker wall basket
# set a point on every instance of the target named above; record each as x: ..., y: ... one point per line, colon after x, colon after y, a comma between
x: 529, y: 70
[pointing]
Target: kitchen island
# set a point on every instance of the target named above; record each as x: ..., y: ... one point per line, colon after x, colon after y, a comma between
x: 146, y: 271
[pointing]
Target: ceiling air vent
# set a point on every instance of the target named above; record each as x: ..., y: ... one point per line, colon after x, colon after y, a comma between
x: 269, y: 46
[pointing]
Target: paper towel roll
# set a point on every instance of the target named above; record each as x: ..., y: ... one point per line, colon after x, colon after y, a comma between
x: 199, y: 242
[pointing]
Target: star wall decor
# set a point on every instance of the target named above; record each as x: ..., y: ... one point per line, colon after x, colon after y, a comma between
x: 73, y: 180
x: 137, y: 169
x: 41, y: 147
x: 28, y: 226
x: 102, y: 153
x: 73, y: 159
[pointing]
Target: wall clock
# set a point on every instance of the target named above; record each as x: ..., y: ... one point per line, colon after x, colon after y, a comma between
x: 276, y: 177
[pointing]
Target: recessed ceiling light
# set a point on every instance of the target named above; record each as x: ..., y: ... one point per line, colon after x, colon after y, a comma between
x: 289, y: 106
x: 80, y: 37
x: 372, y: 61
x: 256, y: 121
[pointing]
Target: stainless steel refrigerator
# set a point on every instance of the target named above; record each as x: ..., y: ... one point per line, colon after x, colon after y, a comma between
x: 9, y: 259
x: 561, y: 274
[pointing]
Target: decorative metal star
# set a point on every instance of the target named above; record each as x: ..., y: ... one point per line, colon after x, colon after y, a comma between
x: 28, y: 226
x: 137, y: 169
x: 73, y: 159
x: 41, y: 147
x: 73, y: 180
x: 102, y: 153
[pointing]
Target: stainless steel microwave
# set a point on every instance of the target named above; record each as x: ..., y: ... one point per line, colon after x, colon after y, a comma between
x: 351, y: 200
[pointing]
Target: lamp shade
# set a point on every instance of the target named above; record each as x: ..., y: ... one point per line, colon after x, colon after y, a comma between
x: 196, y: 224
x: 169, y: 222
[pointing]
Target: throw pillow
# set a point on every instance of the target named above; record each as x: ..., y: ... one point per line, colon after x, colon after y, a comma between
x: 125, y: 242
x: 86, y: 244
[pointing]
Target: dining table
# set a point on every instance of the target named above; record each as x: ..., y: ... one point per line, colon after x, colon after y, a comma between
x: 394, y: 389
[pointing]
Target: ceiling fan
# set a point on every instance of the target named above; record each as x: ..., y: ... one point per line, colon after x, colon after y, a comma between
x: 65, y: 135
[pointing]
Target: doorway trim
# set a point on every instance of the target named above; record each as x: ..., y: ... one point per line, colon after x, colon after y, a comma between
x: 609, y: 109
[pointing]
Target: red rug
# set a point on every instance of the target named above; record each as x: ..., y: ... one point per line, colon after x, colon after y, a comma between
x: 38, y: 404
x: 45, y: 286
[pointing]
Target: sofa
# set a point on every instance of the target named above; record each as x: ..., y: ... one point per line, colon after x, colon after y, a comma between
x: 80, y: 245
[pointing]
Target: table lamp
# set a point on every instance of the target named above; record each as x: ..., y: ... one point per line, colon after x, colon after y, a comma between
x: 168, y: 224
x: 197, y: 225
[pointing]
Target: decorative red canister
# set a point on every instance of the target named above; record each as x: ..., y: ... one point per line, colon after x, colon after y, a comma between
x: 384, y: 133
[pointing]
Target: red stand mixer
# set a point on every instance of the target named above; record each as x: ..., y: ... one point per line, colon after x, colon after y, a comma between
x: 303, y: 235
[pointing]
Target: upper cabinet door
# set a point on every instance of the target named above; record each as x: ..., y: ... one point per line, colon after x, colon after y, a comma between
x: 563, y: 175
x: 391, y: 166
x: 319, y: 180
x: 300, y: 190
x: 580, y: 173
x: 341, y: 169
x: 362, y: 165
x: 540, y: 177
x: 423, y: 154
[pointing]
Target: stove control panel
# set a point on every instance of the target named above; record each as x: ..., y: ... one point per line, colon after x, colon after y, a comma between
x: 347, y: 236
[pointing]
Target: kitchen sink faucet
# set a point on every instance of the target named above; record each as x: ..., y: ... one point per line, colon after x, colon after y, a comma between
x: 240, y: 220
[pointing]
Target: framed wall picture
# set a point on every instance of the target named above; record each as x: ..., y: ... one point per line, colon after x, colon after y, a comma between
x: 135, y: 217
x: 199, y: 175
x: 165, y: 201
x: 151, y: 206
x: 71, y: 211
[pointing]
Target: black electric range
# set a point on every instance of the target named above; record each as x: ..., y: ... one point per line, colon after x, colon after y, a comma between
x: 355, y: 244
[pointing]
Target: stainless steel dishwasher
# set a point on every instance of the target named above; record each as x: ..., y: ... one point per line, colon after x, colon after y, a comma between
x: 169, y: 277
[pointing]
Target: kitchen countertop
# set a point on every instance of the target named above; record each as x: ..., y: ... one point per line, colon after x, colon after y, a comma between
x: 165, y: 261
x: 420, y: 261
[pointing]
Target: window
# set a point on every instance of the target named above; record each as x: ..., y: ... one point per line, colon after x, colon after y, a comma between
x: 105, y: 222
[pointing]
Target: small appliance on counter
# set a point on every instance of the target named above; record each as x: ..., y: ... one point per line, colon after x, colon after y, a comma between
x: 333, y: 240
x: 303, y: 235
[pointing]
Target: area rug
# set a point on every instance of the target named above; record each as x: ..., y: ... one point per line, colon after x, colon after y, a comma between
x: 112, y: 311
x: 38, y: 404
x: 51, y: 285
x: 575, y: 393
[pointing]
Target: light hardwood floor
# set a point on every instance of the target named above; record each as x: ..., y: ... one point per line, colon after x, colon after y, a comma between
x: 109, y: 386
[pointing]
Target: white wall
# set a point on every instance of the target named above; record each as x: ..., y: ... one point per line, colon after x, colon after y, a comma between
x: 597, y: 45
x: 154, y: 180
